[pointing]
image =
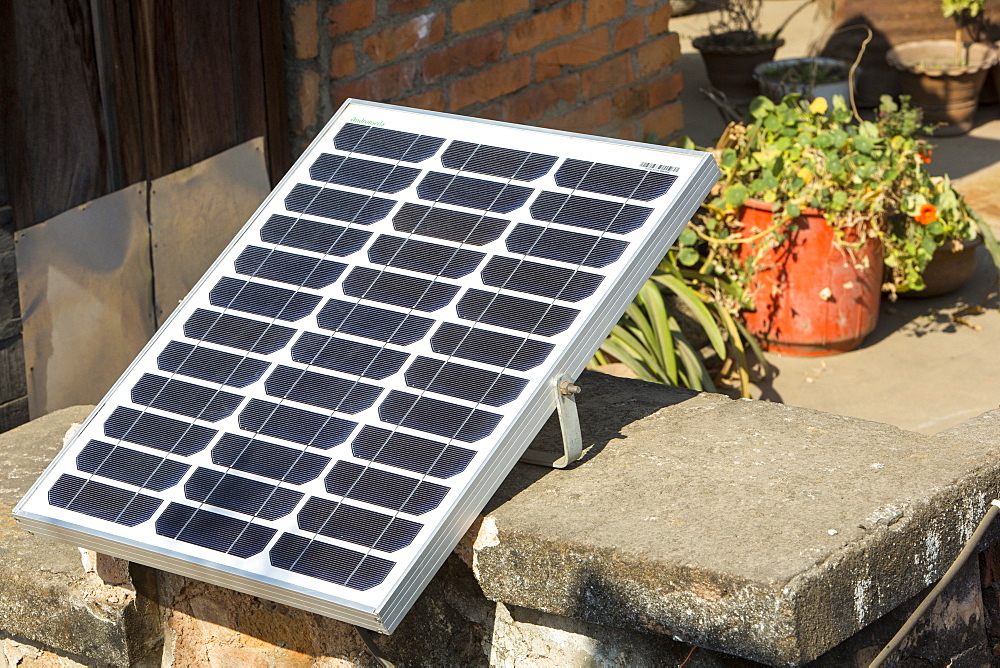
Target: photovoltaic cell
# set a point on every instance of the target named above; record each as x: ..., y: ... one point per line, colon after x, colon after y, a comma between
x: 350, y: 357
x: 486, y: 346
x: 312, y: 235
x: 268, y: 501
x: 338, y: 204
x: 226, y: 329
x: 372, y: 322
x: 157, y: 431
x: 590, y: 213
x: 411, y: 453
x: 260, y: 299
x: 472, y: 193
x: 544, y: 280
x: 425, y: 257
x: 357, y: 525
x: 628, y: 182
x: 209, y: 364
x: 276, y: 265
x: 365, y: 174
x: 392, y: 144
x: 496, y: 161
x: 320, y: 420
x: 550, y: 243
x: 270, y: 460
x: 448, y: 224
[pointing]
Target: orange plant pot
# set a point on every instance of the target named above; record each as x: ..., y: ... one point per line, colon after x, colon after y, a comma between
x: 813, y: 297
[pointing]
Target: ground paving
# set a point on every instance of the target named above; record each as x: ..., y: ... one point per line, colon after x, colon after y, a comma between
x: 931, y: 363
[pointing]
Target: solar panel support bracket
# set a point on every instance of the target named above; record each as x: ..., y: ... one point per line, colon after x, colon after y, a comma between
x: 569, y: 424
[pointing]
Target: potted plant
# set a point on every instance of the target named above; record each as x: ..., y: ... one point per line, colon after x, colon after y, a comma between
x: 811, y: 77
x: 945, y: 77
x: 799, y: 221
x: 934, y: 232
x: 735, y: 45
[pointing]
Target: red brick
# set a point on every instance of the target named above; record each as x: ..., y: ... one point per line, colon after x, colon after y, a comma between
x: 308, y: 96
x: 646, y: 3
x: 607, y: 76
x: 602, y: 11
x: 585, y: 119
x: 491, y: 83
x: 630, y: 101
x: 407, y: 6
x: 305, y: 30
x: 584, y: 49
x: 627, y: 131
x: 664, y: 122
x: 342, y: 61
x: 659, y: 21
x: 470, y: 54
x: 418, y: 32
x: 432, y: 99
x: 493, y: 112
x: 472, y: 14
x: 544, y: 27
x: 351, y: 15
x: 665, y: 89
x: 629, y: 33
x: 381, y: 85
x: 658, y: 55
x: 543, y: 99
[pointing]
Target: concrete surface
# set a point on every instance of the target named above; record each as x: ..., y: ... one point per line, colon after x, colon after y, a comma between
x: 920, y: 370
x: 753, y: 530
x: 45, y: 593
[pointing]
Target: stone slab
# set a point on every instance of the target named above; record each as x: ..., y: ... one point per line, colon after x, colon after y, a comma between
x: 45, y: 594
x: 757, y: 529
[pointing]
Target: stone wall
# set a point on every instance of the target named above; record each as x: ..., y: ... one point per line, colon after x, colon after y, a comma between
x: 604, y: 67
x: 732, y: 533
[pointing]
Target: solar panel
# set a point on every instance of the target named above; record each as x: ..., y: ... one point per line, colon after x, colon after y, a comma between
x: 325, y: 414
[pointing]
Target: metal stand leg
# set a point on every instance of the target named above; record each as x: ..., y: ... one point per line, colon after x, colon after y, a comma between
x: 569, y: 423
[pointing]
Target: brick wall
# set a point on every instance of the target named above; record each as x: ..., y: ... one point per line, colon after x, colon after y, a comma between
x: 603, y: 67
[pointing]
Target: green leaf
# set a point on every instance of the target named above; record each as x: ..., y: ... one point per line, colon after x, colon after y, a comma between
x: 688, y: 257
x: 688, y: 237
x: 736, y: 195
x: 698, y: 309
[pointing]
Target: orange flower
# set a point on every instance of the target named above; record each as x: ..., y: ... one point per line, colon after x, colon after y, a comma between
x: 927, y: 215
x: 926, y: 157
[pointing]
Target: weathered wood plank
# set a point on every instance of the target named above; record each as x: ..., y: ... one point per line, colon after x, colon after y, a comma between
x: 54, y: 141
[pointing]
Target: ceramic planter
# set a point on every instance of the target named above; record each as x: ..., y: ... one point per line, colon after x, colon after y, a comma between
x: 812, y: 296
x: 947, y: 271
x: 730, y: 65
x: 948, y: 93
x: 779, y: 78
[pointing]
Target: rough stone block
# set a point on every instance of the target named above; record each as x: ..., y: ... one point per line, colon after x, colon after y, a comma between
x: 46, y: 596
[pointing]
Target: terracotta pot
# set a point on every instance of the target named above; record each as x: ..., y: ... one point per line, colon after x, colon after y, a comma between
x: 813, y: 297
x: 948, y: 270
x: 947, y: 93
x: 730, y: 66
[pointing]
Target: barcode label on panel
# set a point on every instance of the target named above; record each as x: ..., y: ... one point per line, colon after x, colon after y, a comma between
x: 673, y: 169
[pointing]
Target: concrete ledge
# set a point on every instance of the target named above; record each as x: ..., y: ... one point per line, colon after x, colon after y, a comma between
x: 46, y: 594
x: 749, y: 529
x: 756, y: 529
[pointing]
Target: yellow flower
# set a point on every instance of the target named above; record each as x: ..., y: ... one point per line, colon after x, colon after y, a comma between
x: 804, y: 172
x: 819, y: 105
